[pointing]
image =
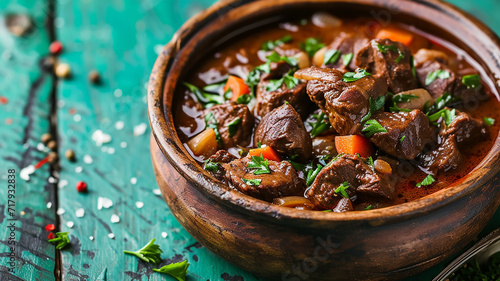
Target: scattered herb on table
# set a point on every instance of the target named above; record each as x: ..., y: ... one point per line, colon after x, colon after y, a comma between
x: 149, y: 253
x: 61, y: 240
x: 177, y: 270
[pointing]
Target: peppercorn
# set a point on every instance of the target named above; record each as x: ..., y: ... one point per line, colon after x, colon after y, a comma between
x: 53, y: 157
x: 51, y: 236
x: 70, y: 155
x: 46, y: 138
x: 48, y: 63
x: 94, y: 77
x: 55, y: 47
x: 50, y: 227
x: 63, y: 70
x: 81, y: 186
x: 52, y: 145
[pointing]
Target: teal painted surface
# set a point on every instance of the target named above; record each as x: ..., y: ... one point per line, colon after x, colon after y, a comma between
x: 28, y: 109
x: 120, y: 39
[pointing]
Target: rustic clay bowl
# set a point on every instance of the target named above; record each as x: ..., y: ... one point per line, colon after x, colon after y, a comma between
x: 288, y: 244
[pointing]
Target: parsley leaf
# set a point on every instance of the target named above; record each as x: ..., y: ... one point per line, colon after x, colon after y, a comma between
x: 215, y: 87
x: 207, y: 100
x: 369, y: 207
x: 433, y: 75
x: 269, y: 45
x: 311, y: 46
x: 254, y: 182
x: 253, y: 77
x: 447, y: 115
x: 412, y: 65
x: 342, y: 189
x: 233, y: 126
x: 355, y: 76
x: 211, y: 166
x: 440, y: 103
x: 244, y: 99
x: 312, y: 174
x: 331, y: 57
x: 489, y: 121
x: 402, y: 138
x: 62, y: 240
x: 375, y: 105
x: 149, y: 253
x: 288, y: 80
x: 346, y: 59
x: 472, y: 81
x: 320, y: 126
x: 211, y: 123
x: 427, y: 181
x: 372, y: 127
x: 177, y: 270
x: 383, y: 49
x: 260, y: 164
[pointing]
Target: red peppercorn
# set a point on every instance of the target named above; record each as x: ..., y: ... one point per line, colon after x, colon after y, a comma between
x: 50, y: 227
x: 51, y: 236
x: 4, y: 100
x: 55, y: 47
x: 81, y: 186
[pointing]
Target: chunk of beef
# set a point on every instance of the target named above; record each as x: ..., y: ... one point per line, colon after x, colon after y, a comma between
x: 465, y: 129
x: 282, y: 181
x: 445, y: 158
x: 345, y: 103
x: 407, y: 133
x: 226, y: 114
x: 344, y: 205
x: 219, y: 158
x: 324, y: 145
x: 390, y: 60
x: 347, y: 168
x: 346, y: 44
x: 425, y: 55
x: 269, y: 100
x: 283, y: 130
x: 440, y: 84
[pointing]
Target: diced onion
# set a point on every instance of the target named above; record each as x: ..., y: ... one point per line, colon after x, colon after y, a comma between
x: 322, y: 19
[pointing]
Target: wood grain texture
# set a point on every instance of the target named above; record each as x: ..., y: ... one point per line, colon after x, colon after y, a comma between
x: 28, y: 91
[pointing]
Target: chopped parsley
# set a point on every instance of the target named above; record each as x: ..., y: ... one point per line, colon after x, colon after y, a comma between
x: 355, y: 76
x: 412, y: 65
x: 342, y: 189
x: 472, y: 81
x: 346, y: 59
x: 211, y: 123
x: 149, y: 253
x: 312, y: 174
x: 311, y: 46
x: 269, y: 45
x: 61, y: 240
x: 207, y: 100
x: 288, y: 80
x: 244, y: 99
x: 372, y: 127
x: 233, y: 126
x: 489, y: 121
x: 254, y: 182
x: 383, y: 49
x: 445, y: 100
x: 211, y: 166
x: 215, y: 87
x: 369, y: 207
x: 320, y: 126
x: 375, y: 105
x: 228, y: 94
x: 402, y: 138
x: 447, y: 116
x: 253, y: 77
x: 260, y: 164
x: 427, y: 181
x: 331, y: 57
x: 177, y: 270
x: 433, y: 75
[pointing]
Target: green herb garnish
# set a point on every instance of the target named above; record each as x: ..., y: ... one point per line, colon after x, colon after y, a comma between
x: 427, y: 181
x: 211, y: 123
x: 207, y: 100
x: 244, y: 99
x: 211, y: 166
x: 489, y: 121
x: 260, y: 164
x: 369, y: 207
x: 253, y: 77
x: 331, y: 57
x: 372, y: 127
x: 433, y: 75
x: 312, y: 174
x: 472, y: 81
x: 311, y: 46
x: 412, y: 65
x: 269, y: 45
x: 355, y: 76
x: 346, y: 59
x: 383, y: 49
x: 177, y: 270
x: 61, y: 240
x: 233, y: 126
x: 375, y: 105
x: 149, y: 253
x: 342, y: 189
x: 290, y: 82
x: 402, y: 138
x: 320, y: 126
x: 446, y: 114
x: 445, y: 100
x: 254, y: 182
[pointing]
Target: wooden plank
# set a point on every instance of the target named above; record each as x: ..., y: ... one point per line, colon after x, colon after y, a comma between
x: 118, y: 39
x: 24, y: 117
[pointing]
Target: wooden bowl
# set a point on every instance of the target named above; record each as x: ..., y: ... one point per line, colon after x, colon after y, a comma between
x: 288, y: 244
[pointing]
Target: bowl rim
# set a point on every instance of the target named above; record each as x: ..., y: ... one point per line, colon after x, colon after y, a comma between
x: 173, y: 150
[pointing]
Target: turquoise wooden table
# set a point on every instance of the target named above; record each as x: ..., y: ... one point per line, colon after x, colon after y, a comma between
x: 106, y: 125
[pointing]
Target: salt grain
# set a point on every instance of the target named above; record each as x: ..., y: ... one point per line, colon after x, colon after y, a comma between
x: 103, y: 202
x: 100, y: 138
x: 164, y: 234
x: 77, y: 118
x: 60, y: 211
x: 70, y: 224
x: 40, y: 147
x: 111, y: 235
x: 49, y: 205
x: 133, y: 180
x: 63, y: 183
x: 139, y: 204
x: 123, y: 144
x: 26, y: 172
x: 115, y: 218
x: 111, y: 150
x: 119, y: 125
x: 118, y: 93
x: 60, y: 103
x: 78, y: 169
x: 91, y: 238
x: 140, y: 129
x: 52, y: 180
x: 88, y: 159
x: 80, y: 213
x: 157, y: 191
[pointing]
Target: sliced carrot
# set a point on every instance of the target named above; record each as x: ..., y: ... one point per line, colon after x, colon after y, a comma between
x: 267, y: 153
x: 237, y: 86
x: 396, y: 35
x: 354, y: 144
